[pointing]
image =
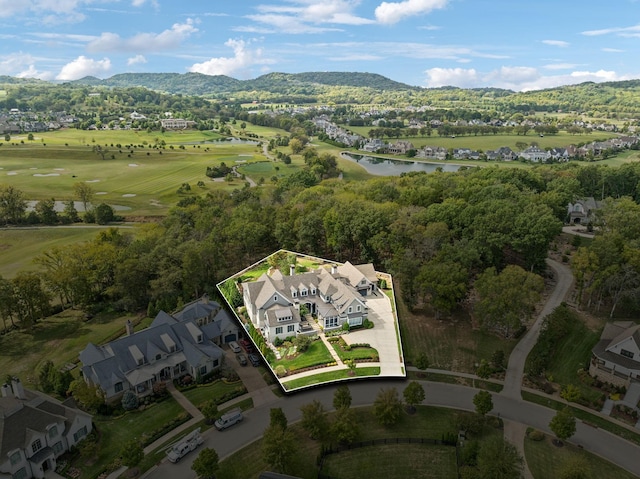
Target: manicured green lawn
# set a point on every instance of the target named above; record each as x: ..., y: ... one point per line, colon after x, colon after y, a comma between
x: 214, y: 391
x: 18, y: 246
x: 115, y: 432
x: 330, y: 376
x: 397, y: 461
x: 355, y: 353
x: 315, y: 355
x: 546, y: 460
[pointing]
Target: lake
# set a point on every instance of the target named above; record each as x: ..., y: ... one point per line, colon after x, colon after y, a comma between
x: 386, y: 167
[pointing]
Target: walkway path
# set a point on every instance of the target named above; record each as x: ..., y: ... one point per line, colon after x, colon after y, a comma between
x: 515, y: 432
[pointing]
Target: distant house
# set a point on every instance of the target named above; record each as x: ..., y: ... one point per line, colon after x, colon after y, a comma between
x: 432, y: 153
x: 400, y: 147
x: 187, y: 342
x: 616, y: 357
x: 373, y: 145
x: 582, y: 211
x: 176, y: 123
x: 336, y: 296
x: 535, y: 154
x: 35, y: 430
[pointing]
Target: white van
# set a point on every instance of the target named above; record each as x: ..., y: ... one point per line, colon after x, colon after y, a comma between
x: 235, y: 347
x: 228, y: 419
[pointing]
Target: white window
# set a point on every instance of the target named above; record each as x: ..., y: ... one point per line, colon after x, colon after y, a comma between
x: 304, y: 292
x: 291, y: 328
x: 313, y: 291
x: 358, y: 308
x: 199, y: 338
x: 57, y: 447
x: 203, y: 370
x: 331, y: 322
x: 53, y: 431
x: 275, y: 298
x: 279, y: 330
x: 350, y: 310
x: 15, y: 458
x: 36, y: 445
x: 118, y: 387
x: 80, y: 434
x: 158, y: 357
x: 295, y: 293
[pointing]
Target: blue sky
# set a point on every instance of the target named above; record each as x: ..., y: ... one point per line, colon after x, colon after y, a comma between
x: 516, y: 44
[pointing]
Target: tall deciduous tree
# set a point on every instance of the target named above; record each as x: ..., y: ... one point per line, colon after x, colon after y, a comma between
x: 31, y: 298
x: 344, y: 428
x: 506, y: 299
x: 314, y: 420
x: 342, y: 397
x: 12, y: 205
x: 563, y: 424
x: 413, y: 395
x: 206, y: 464
x: 84, y: 193
x: 387, y: 407
x: 278, y: 448
x: 445, y: 282
x: 483, y: 402
x: 497, y: 459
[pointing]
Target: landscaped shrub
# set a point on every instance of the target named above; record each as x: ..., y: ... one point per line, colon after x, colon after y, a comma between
x: 277, y: 342
x: 129, y: 400
x: 536, y: 435
x: 280, y: 371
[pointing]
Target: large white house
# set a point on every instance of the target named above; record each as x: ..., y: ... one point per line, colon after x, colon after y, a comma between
x: 335, y: 295
x: 35, y: 430
x: 616, y: 357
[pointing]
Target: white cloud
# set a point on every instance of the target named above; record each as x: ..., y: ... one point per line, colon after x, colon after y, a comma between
x: 356, y: 58
x: 622, y: 31
x: 612, y: 50
x: 460, y: 77
x: 560, y: 66
x: 556, y: 43
x: 82, y: 67
x: 22, y: 65
x: 517, y: 78
x: 147, y: 42
x: 304, y: 16
x: 393, y: 12
x: 137, y: 59
x: 50, y: 11
x: 31, y: 72
x: 242, y: 61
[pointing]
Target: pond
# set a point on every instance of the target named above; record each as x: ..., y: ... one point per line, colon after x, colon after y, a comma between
x: 386, y: 167
x: 230, y: 140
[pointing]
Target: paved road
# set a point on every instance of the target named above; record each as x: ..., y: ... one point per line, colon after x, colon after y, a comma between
x: 515, y: 369
x: 600, y: 442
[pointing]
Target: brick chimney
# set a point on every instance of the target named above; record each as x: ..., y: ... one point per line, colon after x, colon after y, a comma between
x: 6, y: 390
x: 18, y: 390
x: 292, y: 269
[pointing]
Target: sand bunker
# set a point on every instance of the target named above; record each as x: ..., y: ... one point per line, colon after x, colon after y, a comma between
x: 12, y: 173
x: 250, y: 156
x: 47, y: 174
x: 241, y: 161
x: 133, y: 165
x: 33, y: 168
x: 58, y: 169
x: 128, y: 195
x: 92, y: 181
x: 101, y: 193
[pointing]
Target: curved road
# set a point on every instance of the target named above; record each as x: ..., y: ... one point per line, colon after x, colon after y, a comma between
x: 508, y: 405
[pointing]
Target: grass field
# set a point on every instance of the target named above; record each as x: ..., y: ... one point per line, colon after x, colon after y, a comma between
x: 546, y: 460
x: 428, y: 422
x: 409, y: 460
x: 450, y: 343
x: 20, y: 245
x: 59, y: 338
x: 329, y: 376
x: 213, y: 391
x: 315, y: 355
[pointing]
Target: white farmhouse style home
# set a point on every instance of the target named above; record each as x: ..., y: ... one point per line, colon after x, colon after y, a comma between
x: 616, y: 357
x: 334, y: 295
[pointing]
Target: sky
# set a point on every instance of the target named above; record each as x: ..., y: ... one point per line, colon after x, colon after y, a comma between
x: 516, y: 44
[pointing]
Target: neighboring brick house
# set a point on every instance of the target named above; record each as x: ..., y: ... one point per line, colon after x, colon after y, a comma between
x: 35, y: 430
x: 615, y: 358
x: 187, y: 342
x: 335, y: 295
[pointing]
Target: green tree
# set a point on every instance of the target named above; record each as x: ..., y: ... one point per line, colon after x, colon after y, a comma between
x: 483, y: 402
x: 508, y: 298
x: 206, y: 464
x: 131, y: 453
x: 314, y: 420
x: 12, y: 205
x: 570, y: 393
x: 445, y: 282
x: 129, y: 400
x: 563, y: 424
x: 497, y: 459
x: 45, y: 209
x: 104, y: 214
x: 210, y: 410
x: 32, y: 301
x: 422, y: 361
x: 342, y: 397
x: 84, y: 193
x: 7, y: 302
x: 387, y: 406
x: 277, y: 418
x: 30, y: 137
x: 90, y: 397
x: 413, y: 395
x: 70, y: 212
x: 278, y: 447
x: 344, y: 428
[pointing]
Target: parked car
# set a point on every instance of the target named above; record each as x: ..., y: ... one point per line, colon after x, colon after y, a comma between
x: 185, y: 446
x: 242, y: 359
x: 229, y: 419
x: 255, y: 360
x: 247, y: 345
x: 235, y: 347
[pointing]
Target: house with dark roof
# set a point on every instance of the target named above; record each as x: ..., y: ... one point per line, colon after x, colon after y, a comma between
x: 582, y: 210
x: 187, y: 342
x: 336, y: 295
x: 36, y: 429
x: 616, y: 357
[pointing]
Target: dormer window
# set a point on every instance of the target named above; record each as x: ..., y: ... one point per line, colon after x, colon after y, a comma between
x: 158, y: 357
x: 350, y: 309
x: 199, y: 338
x: 358, y: 308
x: 53, y: 431
x: 295, y: 293
x: 36, y: 445
x: 172, y: 349
x: 15, y: 458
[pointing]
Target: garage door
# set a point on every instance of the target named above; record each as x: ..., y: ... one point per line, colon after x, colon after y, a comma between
x: 230, y: 337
